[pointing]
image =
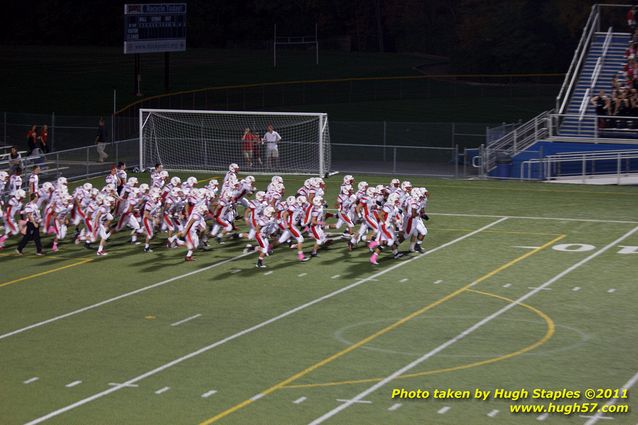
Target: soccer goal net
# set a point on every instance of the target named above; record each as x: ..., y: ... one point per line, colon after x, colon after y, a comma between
x: 210, y: 140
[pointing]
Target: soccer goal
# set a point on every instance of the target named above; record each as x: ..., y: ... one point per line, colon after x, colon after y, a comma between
x: 210, y: 140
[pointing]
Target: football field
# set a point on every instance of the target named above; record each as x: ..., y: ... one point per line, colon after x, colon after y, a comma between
x: 522, y: 286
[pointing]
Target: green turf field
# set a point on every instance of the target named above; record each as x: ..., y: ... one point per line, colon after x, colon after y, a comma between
x: 522, y: 286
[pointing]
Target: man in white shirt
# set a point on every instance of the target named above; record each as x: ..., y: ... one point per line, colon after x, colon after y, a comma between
x: 271, y: 139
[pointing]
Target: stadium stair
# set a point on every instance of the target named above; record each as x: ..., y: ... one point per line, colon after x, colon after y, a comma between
x: 614, y: 62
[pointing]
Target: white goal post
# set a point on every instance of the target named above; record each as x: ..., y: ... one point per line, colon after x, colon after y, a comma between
x: 210, y: 140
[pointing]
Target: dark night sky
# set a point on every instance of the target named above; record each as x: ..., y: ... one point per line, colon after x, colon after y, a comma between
x: 478, y: 35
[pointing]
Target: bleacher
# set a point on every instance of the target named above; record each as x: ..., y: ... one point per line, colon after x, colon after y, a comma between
x: 545, y: 147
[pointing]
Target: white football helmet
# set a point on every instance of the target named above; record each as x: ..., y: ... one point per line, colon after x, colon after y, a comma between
x: 20, y: 194
x: 47, y: 186
x: 62, y: 181
x: 175, y: 181
x: 346, y: 189
x: 362, y: 185
x: 371, y: 191
x: 144, y: 187
x: 406, y: 186
x: 260, y: 196
x: 301, y: 200
x: 395, y: 183
x: 277, y: 179
x: 348, y: 179
x: 250, y: 179
x: 132, y: 181
x: 269, y: 211
x: 291, y: 200
x: 317, y: 201
x: 163, y: 174
x: 233, y: 167
x: 87, y: 186
x: 4, y: 175
x: 393, y: 199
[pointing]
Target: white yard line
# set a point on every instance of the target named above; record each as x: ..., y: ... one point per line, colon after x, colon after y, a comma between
x: 112, y: 384
x: 254, y: 328
x: 493, y: 413
x: 405, y: 279
x: 300, y: 400
x: 31, y: 380
x: 209, y: 393
x: 612, y: 290
x: 542, y: 417
x: 443, y: 410
x: 342, y: 400
x: 436, y: 282
x: 335, y: 276
x: 188, y: 319
x: 301, y: 274
x: 267, y: 273
x: 507, y: 285
x: 576, y: 288
x: 162, y: 390
x: 73, y: 384
x: 536, y: 287
x: 632, y: 381
x: 119, y: 297
x: 394, y: 407
x: 587, y: 220
x: 525, y: 247
x: 470, y: 330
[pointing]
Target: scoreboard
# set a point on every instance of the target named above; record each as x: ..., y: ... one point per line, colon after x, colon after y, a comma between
x: 151, y: 28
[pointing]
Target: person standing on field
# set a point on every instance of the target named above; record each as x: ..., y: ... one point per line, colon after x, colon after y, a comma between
x: 100, y: 141
x: 271, y: 139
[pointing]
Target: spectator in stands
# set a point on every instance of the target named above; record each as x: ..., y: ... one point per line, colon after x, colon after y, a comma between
x: 631, y: 18
x: 15, y: 160
x: 32, y: 140
x: 100, y: 141
x: 44, y: 139
x: 247, y: 147
x: 601, y: 103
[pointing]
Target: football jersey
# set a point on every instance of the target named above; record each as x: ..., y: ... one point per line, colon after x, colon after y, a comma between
x: 15, y: 183
x: 32, y: 208
x: 34, y: 181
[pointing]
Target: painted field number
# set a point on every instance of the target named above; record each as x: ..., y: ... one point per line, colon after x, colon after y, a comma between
x: 583, y: 247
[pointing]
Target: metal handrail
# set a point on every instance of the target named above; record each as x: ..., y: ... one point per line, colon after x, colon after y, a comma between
x: 548, y: 161
x: 600, y: 62
x: 583, y: 105
x: 572, y: 71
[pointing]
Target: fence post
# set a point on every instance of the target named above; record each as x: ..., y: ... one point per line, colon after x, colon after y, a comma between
x: 117, y: 152
x: 57, y: 164
x: 87, y: 160
x: 618, y: 165
x: 456, y: 161
x: 52, y: 131
x: 453, y: 128
x: 385, y: 126
x: 584, y: 167
x: 394, y: 160
x: 515, y: 136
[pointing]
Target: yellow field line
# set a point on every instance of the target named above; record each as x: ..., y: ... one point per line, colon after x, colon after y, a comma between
x: 333, y: 80
x: 44, y: 273
x: 551, y: 329
x: 375, y: 335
